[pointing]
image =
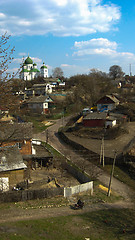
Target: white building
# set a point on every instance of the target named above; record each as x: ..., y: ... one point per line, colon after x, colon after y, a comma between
x: 30, y: 71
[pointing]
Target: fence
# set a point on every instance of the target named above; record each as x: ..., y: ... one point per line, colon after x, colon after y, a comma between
x: 16, y: 196
x: 69, y: 191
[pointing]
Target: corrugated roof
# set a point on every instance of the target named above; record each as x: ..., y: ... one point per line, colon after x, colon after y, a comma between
x: 11, y: 159
x: 96, y: 115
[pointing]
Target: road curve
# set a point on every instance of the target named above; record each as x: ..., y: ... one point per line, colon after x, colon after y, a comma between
x: 119, y: 187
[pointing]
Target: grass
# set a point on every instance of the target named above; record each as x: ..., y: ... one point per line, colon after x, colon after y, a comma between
x: 38, y: 126
x: 121, y: 175
x: 112, y: 224
x: 37, y: 120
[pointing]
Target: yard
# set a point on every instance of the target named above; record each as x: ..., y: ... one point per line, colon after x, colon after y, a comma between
x: 40, y: 178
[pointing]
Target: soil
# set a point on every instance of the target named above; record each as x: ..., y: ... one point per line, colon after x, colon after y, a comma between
x: 39, y: 178
x: 19, y: 212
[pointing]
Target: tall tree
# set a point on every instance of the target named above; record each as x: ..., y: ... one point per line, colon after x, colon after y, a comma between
x: 57, y: 73
x: 87, y: 89
x: 115, y: 71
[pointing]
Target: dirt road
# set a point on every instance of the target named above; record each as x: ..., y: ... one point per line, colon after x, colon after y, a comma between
x: 66, y: 150
x: 20, y: 214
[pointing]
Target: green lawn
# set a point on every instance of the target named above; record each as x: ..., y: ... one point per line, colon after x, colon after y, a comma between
x: 110, y: 224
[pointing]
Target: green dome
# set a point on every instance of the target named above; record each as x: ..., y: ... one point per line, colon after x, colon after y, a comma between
x: 25, y: 70
x: 28, y: 61
x: 34, y: 70
x: 43, y: 66
x: 34, y: 64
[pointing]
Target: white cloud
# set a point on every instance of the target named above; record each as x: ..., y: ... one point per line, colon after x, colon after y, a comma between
x: 103, y: 42
x: 65, y: 65
x: 60, y: 2
x: 36, y: 60
x: 100, y: 47
x: 2, y: 15
x: 17, y: 60
x: 59, y: 17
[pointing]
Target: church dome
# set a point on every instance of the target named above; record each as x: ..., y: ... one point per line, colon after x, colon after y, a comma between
x: 42, y: 67
x: 34, y: 70
x: 28, y: 61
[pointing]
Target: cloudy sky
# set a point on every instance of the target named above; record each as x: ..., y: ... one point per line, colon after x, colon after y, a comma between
x: 76, y: 35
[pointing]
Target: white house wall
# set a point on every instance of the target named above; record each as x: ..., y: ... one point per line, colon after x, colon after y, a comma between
x: 4, y: 184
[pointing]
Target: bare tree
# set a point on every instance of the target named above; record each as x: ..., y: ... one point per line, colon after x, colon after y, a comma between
x: 57, y: 73
x: 7, y: 99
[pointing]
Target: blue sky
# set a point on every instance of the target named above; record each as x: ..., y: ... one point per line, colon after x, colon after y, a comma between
x: 76, y: 35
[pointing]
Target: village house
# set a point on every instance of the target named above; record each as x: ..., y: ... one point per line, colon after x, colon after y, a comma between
x: 38, y: 89
x: 40, y: 104
x: 12, y: 168
x: 107, y: 103
x: 19, y: 134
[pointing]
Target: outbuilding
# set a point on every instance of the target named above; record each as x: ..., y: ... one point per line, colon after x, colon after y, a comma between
x: 95, y: 119
x: 12, y: 167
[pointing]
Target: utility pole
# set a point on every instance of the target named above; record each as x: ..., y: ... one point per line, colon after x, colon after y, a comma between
x: 109, y: 188
x: 130, y: 69
x: 102, y: 153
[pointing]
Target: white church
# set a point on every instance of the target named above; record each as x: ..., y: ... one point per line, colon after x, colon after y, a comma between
x: 30, y: 71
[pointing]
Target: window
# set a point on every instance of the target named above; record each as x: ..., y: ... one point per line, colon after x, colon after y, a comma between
x: 19, y: 145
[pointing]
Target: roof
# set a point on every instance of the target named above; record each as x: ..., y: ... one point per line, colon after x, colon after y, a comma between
x: 11, y: 159
x: 40, y: 99
x: 28, y: 60
x: 108, y: 99
x: 117, y: 115
x: 34, y: 70
x: 25, y: 70
x: 43, y: 66
x: 95, y: 115
x: 15, y: 131
x: 41, y: 151
x: 39, y: 85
